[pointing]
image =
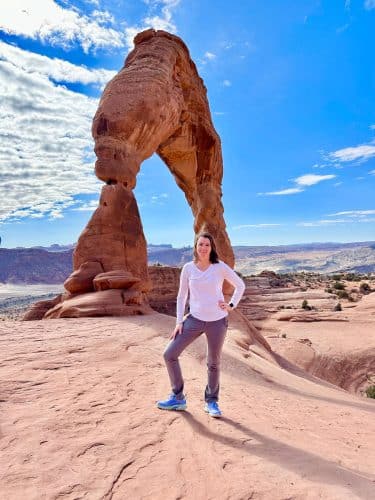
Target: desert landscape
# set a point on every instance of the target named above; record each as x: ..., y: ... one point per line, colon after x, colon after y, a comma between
x: 78, y: 414
x: 78, y: 417
x: 83, y: 326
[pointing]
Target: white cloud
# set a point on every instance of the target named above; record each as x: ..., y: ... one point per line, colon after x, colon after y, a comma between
x: 311, y: 179
x: 55, y: 69
x: 301, y: 182
x: 219, y: 113
x: 163, y: 22
x: 353, y: 213
x: 362, y: 152
x: 322, y: 223
x: 227, y: 83
x: 159, y: 199
x: 342, y: 28
x: 158, y: 22
x: 47, y: 21
x: 372, y: 172
x: 87, y: 207
x: 210, y: 56
x: 283, y: 192
x: 332, y: 222
x: 370, y: 4
x: 42, y: 172
x: 131, y: 32
x: 244, y: 226
x: 103, y: 16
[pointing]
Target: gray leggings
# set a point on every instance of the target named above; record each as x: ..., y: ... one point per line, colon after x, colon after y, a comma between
x: 192, y: 328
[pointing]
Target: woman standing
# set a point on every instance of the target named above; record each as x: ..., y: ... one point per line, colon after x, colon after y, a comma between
x: 203, y: 280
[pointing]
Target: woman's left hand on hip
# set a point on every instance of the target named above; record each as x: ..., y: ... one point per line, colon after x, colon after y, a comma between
x: 224, y: 306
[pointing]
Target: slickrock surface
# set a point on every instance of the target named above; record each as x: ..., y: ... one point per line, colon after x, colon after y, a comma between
x: 157, y: 103
x: 342, y: 353
x: 78, y: 420
x: 338, y: 346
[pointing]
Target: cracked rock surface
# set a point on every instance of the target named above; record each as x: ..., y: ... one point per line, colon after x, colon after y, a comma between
x: 79, y: 421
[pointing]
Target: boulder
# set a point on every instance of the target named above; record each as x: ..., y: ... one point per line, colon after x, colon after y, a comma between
x: 81, y: 280
x: 39, y: 309
x: 115, y: 279
x: 103, y: 303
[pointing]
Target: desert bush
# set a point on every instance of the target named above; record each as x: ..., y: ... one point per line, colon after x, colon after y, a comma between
x: 342, y: 294
x: 284, y: 335
x: 353, y: 277
x: 337, y: 307
x: 338, y: 285
x: 305, y: 305
x: 328, y: 290
x: 370, y: 391
x: 337, y: 277
x: 364, y: 288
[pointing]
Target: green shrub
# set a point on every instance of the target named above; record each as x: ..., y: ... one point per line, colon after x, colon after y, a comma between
x: 370, y: 391
x: 342, y: 294
x: 364, y: 288
x: 284, y: 335
x: 337, y: 277
x: 305, y: 305
x: 338, y: 285
x: 352, y: 277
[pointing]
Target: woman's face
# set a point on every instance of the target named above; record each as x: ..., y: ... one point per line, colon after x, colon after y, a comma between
x: 203, y: 248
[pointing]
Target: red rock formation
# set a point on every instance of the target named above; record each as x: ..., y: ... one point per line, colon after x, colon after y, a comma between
x: 39, y: 309
x: 156, y: 103
x: 81, y: 280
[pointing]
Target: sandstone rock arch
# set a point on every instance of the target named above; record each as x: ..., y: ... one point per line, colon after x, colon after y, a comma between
x: 156, y: 103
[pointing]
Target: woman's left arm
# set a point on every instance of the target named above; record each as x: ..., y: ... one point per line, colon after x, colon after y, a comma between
x: 234, y: 280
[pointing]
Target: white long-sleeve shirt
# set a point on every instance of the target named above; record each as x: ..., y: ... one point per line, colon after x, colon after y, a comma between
x: 206, y: 290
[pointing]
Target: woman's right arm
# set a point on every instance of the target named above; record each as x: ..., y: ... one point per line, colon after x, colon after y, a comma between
x: 181, y: 300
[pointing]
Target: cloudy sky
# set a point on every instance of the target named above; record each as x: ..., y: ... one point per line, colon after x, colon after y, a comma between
x: 291, y: 89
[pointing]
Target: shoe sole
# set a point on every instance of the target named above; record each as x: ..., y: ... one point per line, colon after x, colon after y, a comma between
x: 212, y: 414
x: 176, y: 408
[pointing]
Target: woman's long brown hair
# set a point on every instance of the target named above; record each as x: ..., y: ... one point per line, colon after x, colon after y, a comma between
x: 214, y: 258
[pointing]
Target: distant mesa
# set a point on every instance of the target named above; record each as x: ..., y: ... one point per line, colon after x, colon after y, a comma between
x: 41, y: 265
x: 156, y: 103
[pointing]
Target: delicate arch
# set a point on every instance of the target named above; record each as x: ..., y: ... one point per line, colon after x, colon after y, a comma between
x: 156, y: 103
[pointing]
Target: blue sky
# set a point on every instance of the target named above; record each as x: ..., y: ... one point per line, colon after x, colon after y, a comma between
x: 291, y: 90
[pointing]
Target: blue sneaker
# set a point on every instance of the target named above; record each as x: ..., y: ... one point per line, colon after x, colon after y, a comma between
x: 172, y: 403
x: 213, y: 409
